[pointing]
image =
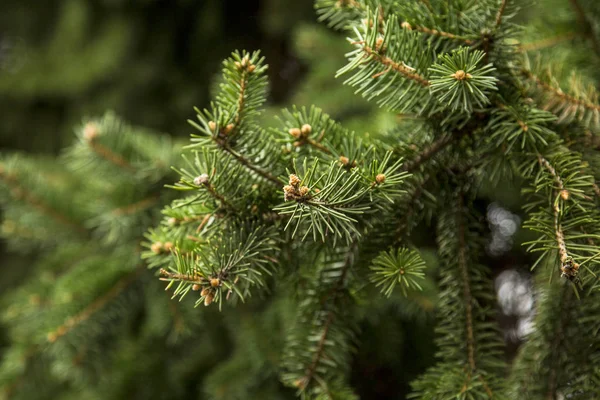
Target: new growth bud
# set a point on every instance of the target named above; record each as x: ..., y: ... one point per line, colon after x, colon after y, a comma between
x: 201, y: 180
x: 380, y: 178
x: 90, y: 132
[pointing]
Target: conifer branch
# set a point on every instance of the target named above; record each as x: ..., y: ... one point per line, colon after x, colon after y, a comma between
x: 94, y: 307
x: 191, y: 278
x: 242, y: 160
x: 462, y: 263
x: 137, y: 206
x: 558, y: 93
x: 548, y: 42
x: 435, y: 32
x: 37, y: 203
x: 217, y: 196
x: 109, y: 155
x: 430, y: 151
x: 399, y: 67
x: 331, y: 297
x: 500, y: 12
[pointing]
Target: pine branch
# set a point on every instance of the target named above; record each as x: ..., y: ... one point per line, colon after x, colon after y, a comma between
x: 37, y: 203
x: 431, y: 150
x: 246, y: 163
x: 392, y: 65
x: 500, y: 13
x: 468, y: 299
x: 136, y: 207
x: 435, y: 32
x: 108, y: 154
x: 73, y: 321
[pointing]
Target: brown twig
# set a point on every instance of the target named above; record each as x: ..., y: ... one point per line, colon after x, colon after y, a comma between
x: 431, y: 150
x: 21, y: 192
x: 500, y: 12
x: 408, y: 73
x: 95, y: 306
x: 109, y: 155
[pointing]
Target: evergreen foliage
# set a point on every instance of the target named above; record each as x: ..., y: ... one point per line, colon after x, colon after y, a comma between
x: 311, y: 229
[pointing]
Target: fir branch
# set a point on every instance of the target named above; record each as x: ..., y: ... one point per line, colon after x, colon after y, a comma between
x: 430, y: 151
x: 246, y: 163
x: 559, y: 94
x: 330, y: 297
x: 37, y: 203
x: 390, y: 64
x: 436, y: 32
x: 217, y: 196
x: 94, y: 307
x: 500, y: 12
x: 462, y: 264
x: 137, y: 206
x: 109, y: 155
x: 548, y: 42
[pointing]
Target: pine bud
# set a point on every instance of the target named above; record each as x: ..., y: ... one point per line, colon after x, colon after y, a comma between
x: 205, y: 291
x: 379, y: 44
x: 306, y: 129
x: 209, y: 299
x: 156, y: 247
x: 212, y: 125
x: 90, y: 132
x: 201, y: 180
x: 294, y: 180
x: 564, y: 194
x: 214, y: 282
x: 344, y: 160
x: 196, y: 287
x: 304, y: 190
x: 461, y: 75
x: 172, y: 221
x: 251, y: 68
x: 295, y: 132
x: 228, y: 129
x: 380, y: 178
x: 406, y: 25
x: 168, y: 246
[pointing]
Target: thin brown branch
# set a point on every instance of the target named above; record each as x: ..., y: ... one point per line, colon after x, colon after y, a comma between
x: 269, y: 177
x: 310, y: 372
x: 468, y: 298
x: 557, y: 92
x: 173, y: 276
x: 217, y: 196
x: 136, y: 207
x: 109, y: 155
x: 408, y: 73
x: 500, y: 12
x: 94, y: 307
x: 431, y: 150
x: 549, y: 42
x: 435, y: 32
x: 20, y: 192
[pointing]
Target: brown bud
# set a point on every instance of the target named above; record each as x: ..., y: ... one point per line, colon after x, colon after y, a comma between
x: 380, y: 178
x: 156, y: 247
x: 344, y: 160
x: 209, y: 299
x: 294, y: 180
x: 461, y: 75
x: 212, y: 125
x: 251, y: 68
x: 168, y: 246
x: 564, y: 194
x: 317, y: 190
x: 228, y: 129
x: 406, y: 25
x: 196, y: 287
x: 201, y: 180
x: 379, y: 44
x: 295, y: 132
x: 237, y: 65
x: 90, y: 131
x: 205, y: 291
x: 214, y: 282
x: 306, y: 129
x: 304, y: 190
